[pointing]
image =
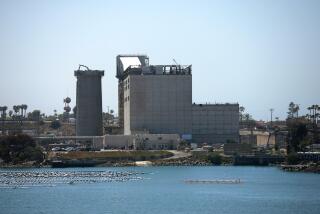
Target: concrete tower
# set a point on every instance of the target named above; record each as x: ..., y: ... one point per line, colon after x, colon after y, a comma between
x: 89, y: 102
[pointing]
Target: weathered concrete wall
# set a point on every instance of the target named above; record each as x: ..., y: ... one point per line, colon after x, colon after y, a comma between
x: 141, y: 141
x: 118, y: 142
x: 260, y: 138
x: 266, y: 140
x: 237, y: 148
x: 89, y: 103
x: 156, y: 141
x: 215, y: 123
x: 160, y: 104
x: 120, y: 104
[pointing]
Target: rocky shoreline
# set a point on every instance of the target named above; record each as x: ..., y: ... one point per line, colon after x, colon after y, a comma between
x: 186, y: 161
x: 310, y: 167
x: 189, y: 161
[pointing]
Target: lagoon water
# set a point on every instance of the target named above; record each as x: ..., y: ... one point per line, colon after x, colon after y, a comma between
x: 163, y: 190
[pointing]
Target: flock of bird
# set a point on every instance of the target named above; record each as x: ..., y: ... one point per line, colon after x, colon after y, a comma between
x: 15, y: 179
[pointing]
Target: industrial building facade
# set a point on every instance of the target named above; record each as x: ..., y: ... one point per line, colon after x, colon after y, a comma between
x: 158, y: 103
x: 155, y: 108
x: 215, y: 123
x: 157, y: 99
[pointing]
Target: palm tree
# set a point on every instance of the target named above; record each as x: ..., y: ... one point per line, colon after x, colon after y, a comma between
x: 1, y: 110
x: 241, y: 110
x: 16, y: 109
x: 21, y: 108
x: 291, y: 110
x: 10, y: 113
x: 247, y: 117
x: 2, y: 117
x: 317, y: 115
x: 309, y: 115
x: 24, y: 107
x: 5, y: 108
x: 296, y: 110
x: 74, y: 111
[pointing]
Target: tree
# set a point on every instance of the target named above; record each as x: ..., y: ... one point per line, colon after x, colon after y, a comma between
x: 215, y: 159
x: 55, y: 124
x: 21, y: 108
x: 296, y: 110
x: 247, y: 117
x: 24, y: 108
x: 313, y: 117
x: 35, y: 115
x: 19, y: 148
x: 291, y: 110
x: 241, y: 111
x: 297, y: 135
x: 3, y: 115
x: 10, y: 113
x: 75, y: 111
x: 3, y: 110
x: 16, y: 109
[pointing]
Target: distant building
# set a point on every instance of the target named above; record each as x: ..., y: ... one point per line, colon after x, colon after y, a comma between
x: 124, y: 61
x: 158, y: 100
x: 142, y: 141
x: 257, y: 138
x: 237, y: 149
x: 261, y: 138
x: 215, y: 123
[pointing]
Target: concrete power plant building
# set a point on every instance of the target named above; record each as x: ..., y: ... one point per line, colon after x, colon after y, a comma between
x: 89, y: 102
x: 123, y: 62
x: 215, y: 123
x: 157, y: 98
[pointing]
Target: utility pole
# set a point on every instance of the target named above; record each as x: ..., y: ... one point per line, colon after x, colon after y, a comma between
x: 271, y: 112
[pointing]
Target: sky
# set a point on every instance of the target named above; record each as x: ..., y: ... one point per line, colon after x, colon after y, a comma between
x: 261, y: 54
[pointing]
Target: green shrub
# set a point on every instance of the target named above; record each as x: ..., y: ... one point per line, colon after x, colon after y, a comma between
x: 292, y: 159
x: 55, y: 124
x: 215, y: 159
x: 19, y: 148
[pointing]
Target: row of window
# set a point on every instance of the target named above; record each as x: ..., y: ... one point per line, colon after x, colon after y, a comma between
x: 126, y: 99
x: 126, y: 84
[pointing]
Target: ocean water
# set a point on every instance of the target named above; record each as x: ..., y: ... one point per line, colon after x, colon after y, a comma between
x: 161, y: 190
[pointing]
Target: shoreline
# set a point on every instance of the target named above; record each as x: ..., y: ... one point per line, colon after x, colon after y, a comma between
x: 186, y: 161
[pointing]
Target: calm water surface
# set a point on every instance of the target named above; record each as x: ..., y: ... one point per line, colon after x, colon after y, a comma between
x: 162, y: 190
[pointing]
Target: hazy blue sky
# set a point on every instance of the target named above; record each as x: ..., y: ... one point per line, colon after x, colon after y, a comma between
x: 261, y: 54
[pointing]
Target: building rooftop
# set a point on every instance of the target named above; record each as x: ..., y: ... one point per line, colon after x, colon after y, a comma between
x: 139, y: 65
x: 87, y: 71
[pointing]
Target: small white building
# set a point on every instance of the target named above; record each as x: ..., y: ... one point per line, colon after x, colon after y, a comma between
x: 142, y: 141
